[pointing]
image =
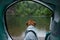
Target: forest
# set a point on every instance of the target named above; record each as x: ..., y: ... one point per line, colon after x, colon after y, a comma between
x: 18, y: 14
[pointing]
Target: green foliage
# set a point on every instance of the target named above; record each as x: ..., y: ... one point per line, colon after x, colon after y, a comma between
x: 21, y: 12
x: 31, y: 8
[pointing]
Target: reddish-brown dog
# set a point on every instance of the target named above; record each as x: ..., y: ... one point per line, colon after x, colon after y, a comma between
x: 31, y: 22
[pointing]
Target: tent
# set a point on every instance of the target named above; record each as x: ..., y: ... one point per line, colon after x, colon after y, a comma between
x: 53, y: 5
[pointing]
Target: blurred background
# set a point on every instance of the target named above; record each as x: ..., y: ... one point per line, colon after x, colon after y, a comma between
x: 18, y: 14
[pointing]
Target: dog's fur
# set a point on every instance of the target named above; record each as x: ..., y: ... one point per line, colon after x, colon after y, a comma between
x: 31, y: 22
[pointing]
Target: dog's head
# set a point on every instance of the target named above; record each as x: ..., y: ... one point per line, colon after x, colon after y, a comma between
x: 31, y: 22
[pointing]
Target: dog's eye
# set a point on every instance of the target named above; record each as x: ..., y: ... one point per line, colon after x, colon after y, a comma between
x: 18, y: 14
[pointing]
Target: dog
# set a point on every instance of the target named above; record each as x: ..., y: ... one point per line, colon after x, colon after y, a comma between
x: 31, y: 22
x: 30, y: 34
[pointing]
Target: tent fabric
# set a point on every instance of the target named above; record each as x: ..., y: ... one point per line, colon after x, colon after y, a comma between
x: 5, y: 3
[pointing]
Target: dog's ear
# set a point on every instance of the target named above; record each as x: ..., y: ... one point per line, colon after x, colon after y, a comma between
x: 27, y: 23
x: 34, y: 23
